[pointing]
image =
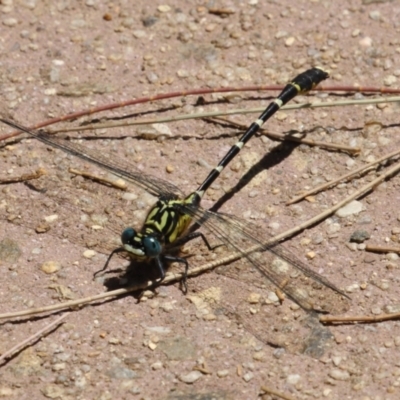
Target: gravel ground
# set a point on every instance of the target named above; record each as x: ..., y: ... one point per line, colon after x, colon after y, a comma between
x: 66, y: 56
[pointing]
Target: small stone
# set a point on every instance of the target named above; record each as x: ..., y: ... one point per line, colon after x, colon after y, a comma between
x: 272, y: 298
x: 352, y: 288
x: 49, y: 267
x: 9, y: 251
x: 157, y: 365
x: 336, y: 360
x: 152, y: 77
x: 289, y: 41
x: 375, y: 15
x: 354, y: 207
x: 365, y: 42
x: 169, y: 168
x: 10, y: 22
x: 129, y: 196
x: 53, y: 391
x: 222, y: 373
x: 248, y: 376
x: 89, y: 253
x: 392, y: 256
x: 259, y: 356
x: 183, y: 73
x: 310, y: 255
x: 293, y: 379
x: 254, y: 298
x: 359, y: 236
x: 6, y: 392
x: 164, y: 8
x: 339, y: 375
x: 51, y: 218
x: 151, y: 345
x: 191, y: 377
x: 139, y: 34
x: 121, y: 373
x: 389, y: 80
x: 210, y: 27
x: 376, y: 310
x: 163, y: 129
x: 392, y: 308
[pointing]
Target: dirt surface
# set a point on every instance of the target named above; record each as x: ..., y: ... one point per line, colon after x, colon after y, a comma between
x: 67, y: 56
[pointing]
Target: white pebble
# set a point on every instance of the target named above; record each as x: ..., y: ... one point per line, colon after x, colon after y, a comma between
x: 89, y: 253
x: 339, y: 375
x: 354, y: 207
x: 191, y: 377
x: 10, y: 22
x: 293, y: 379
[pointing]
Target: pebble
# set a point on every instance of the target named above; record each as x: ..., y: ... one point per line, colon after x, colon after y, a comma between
x: 89, y: 253
x: 392, y: 308
x: 53, y: 391
x: 191, y: 377
x: 272, y: 298
x: 139, y: 34
x: 352, y: 288
x: 359, y: 236
x: 376, y: 310
x: 9, y: 251
x: 222, y: 373
x: 339, y: 375
x: 375, y: 15
x: 157, y: 365
x: 10, y: 22
x: 51, y: 218
x: 254, y: 298
x: 178, y: 348
x: 49, y: 267
x: 248, y: 376
x: 163, y: 129
x: 392, y: 256
x: 293, y: 379
x: 129, y: 196
x: 121, y: 373
x: 354, y: 207
x: 164, y: 8
x: 389, y: 80
x: 152, y: 77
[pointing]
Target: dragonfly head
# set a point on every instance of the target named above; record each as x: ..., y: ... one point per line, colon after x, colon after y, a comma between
x: 140, y: 245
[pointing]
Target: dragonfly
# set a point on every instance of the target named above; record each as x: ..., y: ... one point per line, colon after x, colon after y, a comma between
x: 167, y: 224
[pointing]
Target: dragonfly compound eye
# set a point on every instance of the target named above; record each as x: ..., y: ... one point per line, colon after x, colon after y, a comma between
x: 128, y: 235
x: 152, y: 246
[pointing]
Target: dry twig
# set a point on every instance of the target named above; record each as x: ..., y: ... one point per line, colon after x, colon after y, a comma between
x: 33, y: 338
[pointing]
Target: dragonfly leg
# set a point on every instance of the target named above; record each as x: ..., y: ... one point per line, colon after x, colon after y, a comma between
x: 115, y: 251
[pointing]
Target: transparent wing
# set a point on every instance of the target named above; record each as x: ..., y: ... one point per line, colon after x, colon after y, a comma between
x: 156, y: 187
x: 272, y: 262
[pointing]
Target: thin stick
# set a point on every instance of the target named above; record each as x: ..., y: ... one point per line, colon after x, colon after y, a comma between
x: 343, y: 178
x: 382, y: 249
x: 25, y: 177
x: 109, y: 125
x: 275, y: 392
x: 289, y: 138
x: 118, y: 184
x: 194, y: 92
x: 358, y: 318
x: 33, y: 338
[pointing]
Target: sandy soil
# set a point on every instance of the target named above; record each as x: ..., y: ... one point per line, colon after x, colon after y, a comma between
x: 66, y: 56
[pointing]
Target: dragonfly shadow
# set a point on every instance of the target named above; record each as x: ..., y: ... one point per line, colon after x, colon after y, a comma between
x: 269, y: 160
